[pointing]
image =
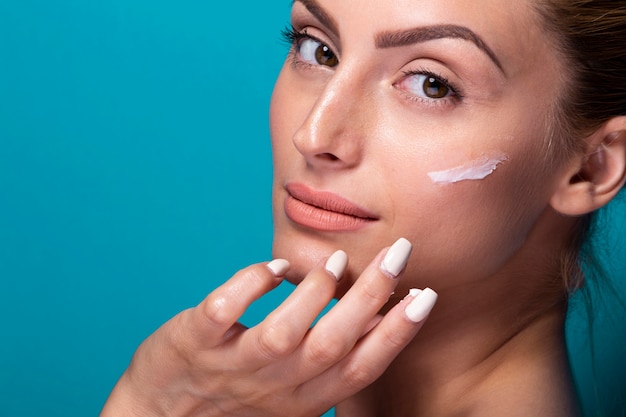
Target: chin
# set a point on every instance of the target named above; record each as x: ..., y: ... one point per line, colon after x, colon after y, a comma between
x: 303, y: 254
x: 306, y: 251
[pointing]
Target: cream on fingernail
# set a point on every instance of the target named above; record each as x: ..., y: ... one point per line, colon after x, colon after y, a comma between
x: 397, y: 257
x: 337, y: 264
x: 279, y: 267
x: 414, y: 292
x: 419, y: 308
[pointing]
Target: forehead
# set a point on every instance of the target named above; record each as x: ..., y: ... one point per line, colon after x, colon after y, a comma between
x: 379, y: 14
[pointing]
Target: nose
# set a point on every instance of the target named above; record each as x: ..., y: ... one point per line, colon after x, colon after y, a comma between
x: 333, y: 134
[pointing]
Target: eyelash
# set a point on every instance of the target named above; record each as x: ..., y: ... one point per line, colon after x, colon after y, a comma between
x: 455, y: 89
x: 292, y: 37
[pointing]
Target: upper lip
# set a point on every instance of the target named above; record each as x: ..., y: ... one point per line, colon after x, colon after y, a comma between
x: 327, y: 201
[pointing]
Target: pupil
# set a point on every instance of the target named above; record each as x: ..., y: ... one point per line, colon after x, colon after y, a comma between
x: 435, y: 89
x: 324, y: 56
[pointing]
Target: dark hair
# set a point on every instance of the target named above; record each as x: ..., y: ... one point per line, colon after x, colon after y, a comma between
x: 589, y: 37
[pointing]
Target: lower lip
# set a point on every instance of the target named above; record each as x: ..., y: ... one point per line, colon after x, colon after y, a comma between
x: 319, y: 219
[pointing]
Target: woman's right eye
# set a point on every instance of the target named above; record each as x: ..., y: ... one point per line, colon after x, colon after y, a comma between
x: 308, y: 49
x: 314, y: 52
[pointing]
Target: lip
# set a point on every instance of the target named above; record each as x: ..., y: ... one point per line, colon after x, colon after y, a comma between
x: 324, y: 211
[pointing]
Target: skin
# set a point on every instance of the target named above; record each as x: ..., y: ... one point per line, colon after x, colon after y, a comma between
x: 362, y: 122
x: 361, y: 114
x: 493, y: 345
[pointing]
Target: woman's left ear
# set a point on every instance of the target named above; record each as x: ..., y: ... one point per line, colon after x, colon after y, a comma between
x: 593, y: 179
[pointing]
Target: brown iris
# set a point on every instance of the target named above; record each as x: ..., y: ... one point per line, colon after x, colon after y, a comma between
x: 434, y: 88
x: 325, y: 56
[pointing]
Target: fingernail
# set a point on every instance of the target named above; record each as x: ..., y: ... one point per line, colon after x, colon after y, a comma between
x: 337, y: 264
x: 419, y: 308
x: 279, y: 267
x: 396, y: 257
x: 414, y: 292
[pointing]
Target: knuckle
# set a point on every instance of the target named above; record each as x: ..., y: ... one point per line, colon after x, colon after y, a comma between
x: 275, y: 342
x: 372, y: 295
x: 394, y: 339
x: 216, y: 312
x: 326, y: 349
x: 223, y: 306
x: 358, y: 375
x: 175, y: 338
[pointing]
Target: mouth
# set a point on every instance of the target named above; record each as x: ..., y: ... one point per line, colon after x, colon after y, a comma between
x: 324, y: 211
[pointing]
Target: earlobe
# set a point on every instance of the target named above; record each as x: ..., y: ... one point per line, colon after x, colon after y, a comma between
x: 596, y: 177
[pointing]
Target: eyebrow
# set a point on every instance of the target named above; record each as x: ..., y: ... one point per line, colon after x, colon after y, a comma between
x: 408, y: 37
x: 428, y: 33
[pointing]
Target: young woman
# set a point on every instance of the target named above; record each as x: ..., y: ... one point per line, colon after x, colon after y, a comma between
x: 477, y: 136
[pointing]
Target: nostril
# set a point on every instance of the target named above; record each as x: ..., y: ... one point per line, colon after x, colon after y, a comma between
x: 328, y: 156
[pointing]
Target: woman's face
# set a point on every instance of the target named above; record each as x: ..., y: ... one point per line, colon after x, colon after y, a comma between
x: 417, y: 119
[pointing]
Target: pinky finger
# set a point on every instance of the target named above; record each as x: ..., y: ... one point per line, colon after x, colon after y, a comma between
x: 215, y: 318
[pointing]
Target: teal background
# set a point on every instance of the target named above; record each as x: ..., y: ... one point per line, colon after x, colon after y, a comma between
x: 135, y: 176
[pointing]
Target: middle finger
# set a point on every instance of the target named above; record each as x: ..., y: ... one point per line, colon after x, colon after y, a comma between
x: 337, y: 332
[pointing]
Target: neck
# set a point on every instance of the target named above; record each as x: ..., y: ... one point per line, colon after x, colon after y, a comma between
x: 472, y: 357
x: 491, y: 347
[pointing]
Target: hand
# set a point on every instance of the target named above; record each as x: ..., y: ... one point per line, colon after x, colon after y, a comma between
x: 203, y: 362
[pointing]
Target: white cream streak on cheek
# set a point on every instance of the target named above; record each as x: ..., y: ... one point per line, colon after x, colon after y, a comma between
x: 474, y: 170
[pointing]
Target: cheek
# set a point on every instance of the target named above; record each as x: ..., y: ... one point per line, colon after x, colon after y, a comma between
x: 279, y: 116
x: 470, y: 229
x: 288, y: 112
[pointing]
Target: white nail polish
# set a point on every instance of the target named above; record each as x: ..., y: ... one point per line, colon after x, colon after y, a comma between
x: 414, y: 292
x: 419, y: 308
x: 279, y: 267
x: 397, y: 257
x: 337, y: 264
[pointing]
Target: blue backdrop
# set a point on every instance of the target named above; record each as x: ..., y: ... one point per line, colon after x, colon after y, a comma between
x: 135, y: 176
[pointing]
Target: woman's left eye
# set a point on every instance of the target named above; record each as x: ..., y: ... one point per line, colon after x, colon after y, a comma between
x: 315, y: 52
x: 427, y: 86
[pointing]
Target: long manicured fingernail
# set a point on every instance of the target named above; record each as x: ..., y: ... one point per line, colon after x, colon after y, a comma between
x: 396, y: 257
x: 419, y: 308
x: 337, y: 264
x: 279, y: 267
